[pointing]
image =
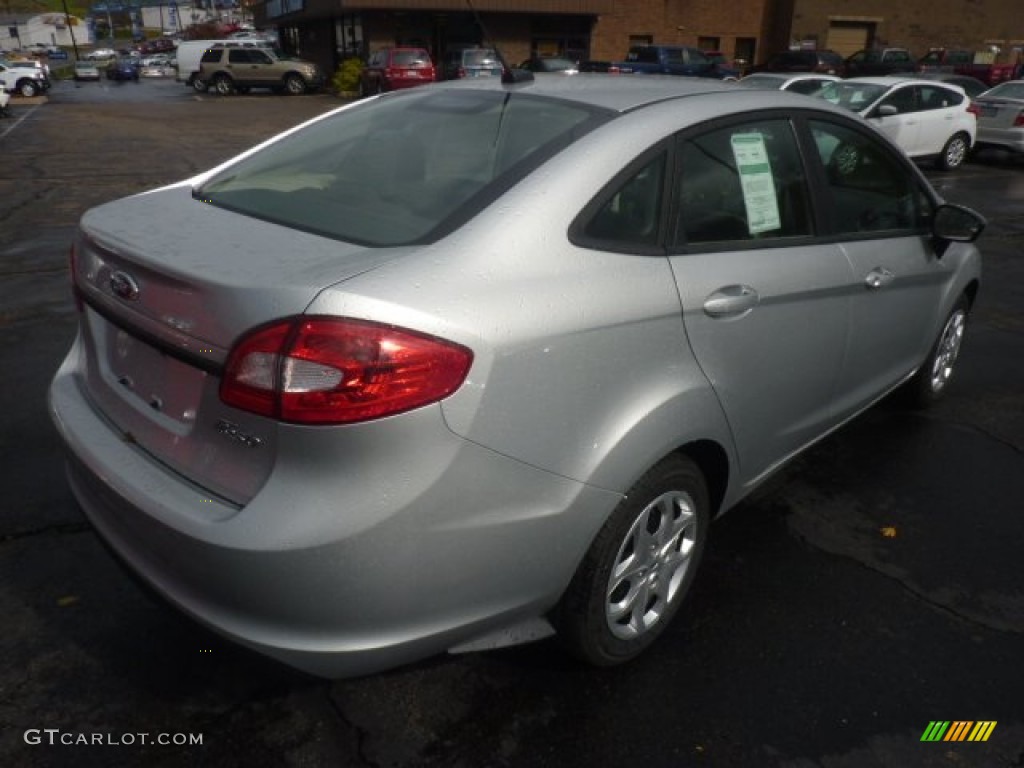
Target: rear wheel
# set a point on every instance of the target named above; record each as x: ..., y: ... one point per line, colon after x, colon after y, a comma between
x: 223, y: 85
x: 200, y: 86
x: 639, y: 567
x: 955, y: 152
x: 28, y: 88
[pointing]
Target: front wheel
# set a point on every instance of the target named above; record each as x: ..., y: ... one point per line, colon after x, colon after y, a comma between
x: 932, y: 379
x: 294, y: 85
x: 639, y: 567
x: 199, y: 86
x: 27, y: 88
x: 954, y: 153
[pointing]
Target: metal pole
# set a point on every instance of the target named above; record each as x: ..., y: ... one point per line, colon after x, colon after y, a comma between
x: 71, y: 28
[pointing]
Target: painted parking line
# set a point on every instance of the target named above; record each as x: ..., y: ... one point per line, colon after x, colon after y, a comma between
x: 19, y: 121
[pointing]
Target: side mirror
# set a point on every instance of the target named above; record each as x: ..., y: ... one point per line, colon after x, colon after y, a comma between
x: 957, y: 224
x: 886, y: 110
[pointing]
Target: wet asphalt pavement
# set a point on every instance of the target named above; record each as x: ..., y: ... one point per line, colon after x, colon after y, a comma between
x: 874, y: 586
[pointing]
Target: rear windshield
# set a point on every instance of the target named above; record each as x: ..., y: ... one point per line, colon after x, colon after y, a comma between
x: 479, y: 58
x: 410, y: 59
x: 403, y: 169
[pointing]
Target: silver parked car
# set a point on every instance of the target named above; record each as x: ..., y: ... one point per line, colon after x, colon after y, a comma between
x: 461, y: 365
x: 1000, y: 113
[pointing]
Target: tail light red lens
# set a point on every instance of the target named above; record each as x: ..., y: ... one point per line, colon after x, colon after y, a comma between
x: 1019, y: 120
x: 327, y: 370
x: 974, y: 109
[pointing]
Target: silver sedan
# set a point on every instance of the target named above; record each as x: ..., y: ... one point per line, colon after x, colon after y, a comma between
x: 469, y: 364
x: 1000, y: 112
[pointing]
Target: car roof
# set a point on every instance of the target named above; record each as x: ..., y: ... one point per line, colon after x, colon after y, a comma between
x: 624, y: 93
x: 888, y: 80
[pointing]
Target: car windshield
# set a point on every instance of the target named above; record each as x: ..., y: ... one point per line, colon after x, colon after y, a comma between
x: 762, y: 81
x: 852, y: 95
x: 400, y: 170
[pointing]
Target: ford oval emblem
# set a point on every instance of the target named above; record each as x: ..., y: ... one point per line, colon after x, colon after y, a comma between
x: 124, y: 286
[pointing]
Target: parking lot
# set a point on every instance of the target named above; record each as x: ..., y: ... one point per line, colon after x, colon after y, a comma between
x: 872, y: 587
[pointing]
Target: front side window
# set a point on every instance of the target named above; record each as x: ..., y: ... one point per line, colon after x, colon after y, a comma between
x: 400, y: 170
x: 742, y: 183
x: 870, y: 190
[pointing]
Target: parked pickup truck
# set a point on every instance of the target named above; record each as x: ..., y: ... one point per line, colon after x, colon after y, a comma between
x: 670, y: 60
x: 978, y: 64
x: 879, y: 61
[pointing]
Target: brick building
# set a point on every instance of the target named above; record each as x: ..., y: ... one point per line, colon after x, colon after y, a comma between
x: 327, y: 31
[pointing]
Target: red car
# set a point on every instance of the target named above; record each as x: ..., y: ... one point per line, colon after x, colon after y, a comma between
x: 391, y: 69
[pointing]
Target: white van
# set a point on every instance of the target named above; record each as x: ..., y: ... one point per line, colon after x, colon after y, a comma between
x: 189, y: 53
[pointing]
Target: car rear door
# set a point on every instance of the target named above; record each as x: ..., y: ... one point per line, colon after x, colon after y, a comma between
x: 942, y: 110
x: 764, y: 301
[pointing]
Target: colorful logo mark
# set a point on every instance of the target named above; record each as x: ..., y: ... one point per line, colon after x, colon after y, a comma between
x: 958, y: 730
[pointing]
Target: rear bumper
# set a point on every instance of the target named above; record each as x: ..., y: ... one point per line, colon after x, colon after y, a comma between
x: 411, y: 543
x: 1011, y: 139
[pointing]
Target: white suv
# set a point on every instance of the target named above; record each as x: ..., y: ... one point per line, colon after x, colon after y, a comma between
x: 23, y: 78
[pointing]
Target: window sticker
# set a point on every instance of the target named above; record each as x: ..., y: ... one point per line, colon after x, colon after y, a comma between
x: 757, y: 182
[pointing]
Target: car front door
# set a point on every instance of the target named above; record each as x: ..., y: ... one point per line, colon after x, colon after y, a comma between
x: 879, y: 214
x: 765, y: 304
x: 904, y: 125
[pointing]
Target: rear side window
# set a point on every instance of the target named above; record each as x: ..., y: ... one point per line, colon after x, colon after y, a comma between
x: 745, y: 182
x: 211, y: 56
x: 628, y: 220
x: 400, y: 170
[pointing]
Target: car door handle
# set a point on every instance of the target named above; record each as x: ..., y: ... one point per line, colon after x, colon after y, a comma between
x: 879, y: 277
x: 731, y: 300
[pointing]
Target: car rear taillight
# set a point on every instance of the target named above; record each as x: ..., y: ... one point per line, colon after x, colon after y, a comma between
x: 327, y: 370
x: 1019, y: 120
x: 974, y: 109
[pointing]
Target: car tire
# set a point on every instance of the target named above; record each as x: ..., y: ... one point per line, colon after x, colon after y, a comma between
x: 639, y: 567
x: 955, y: 152
x: 28, y: 89
x: 199, y: 86
x: 932, y: 379
x: 294, y: 85
x: 223, y: 85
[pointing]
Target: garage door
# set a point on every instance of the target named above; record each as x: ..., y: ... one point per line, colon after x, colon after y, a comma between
x: 846, y: 38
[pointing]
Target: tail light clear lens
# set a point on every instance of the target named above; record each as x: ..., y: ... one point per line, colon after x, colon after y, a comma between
x: 328, y: 370
x: 76, y: 294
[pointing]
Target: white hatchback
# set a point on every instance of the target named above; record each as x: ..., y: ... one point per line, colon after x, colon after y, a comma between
x: 928, y: 120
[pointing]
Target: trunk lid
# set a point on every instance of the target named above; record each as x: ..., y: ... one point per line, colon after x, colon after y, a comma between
x: 168, y: 284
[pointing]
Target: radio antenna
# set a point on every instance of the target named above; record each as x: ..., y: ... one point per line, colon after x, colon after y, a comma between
x: 509, y: 76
